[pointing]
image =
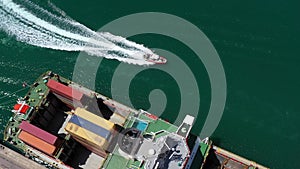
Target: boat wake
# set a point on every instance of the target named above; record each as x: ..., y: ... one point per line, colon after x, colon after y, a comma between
x: 34, y: 25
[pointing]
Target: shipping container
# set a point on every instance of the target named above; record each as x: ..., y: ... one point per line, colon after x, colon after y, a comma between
x: 64, y: 90
x: 86, y: 135
x: 70, y: 103
x: 87, y: 142
x: 21, y: 108
x: 37, y: 143
x: 90, y: 126
x: 39, y: 133
x: 90, y: 146
x: 94, y: 119
x: 117, y: 119
x: 94, y: 149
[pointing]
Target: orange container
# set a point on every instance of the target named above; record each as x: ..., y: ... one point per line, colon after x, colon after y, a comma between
x: 37, y: 143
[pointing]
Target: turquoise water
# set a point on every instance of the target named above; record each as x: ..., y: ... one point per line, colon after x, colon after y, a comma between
x: 258, y: 45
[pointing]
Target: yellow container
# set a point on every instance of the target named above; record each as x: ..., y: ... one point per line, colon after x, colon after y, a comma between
x: 94, y: 119
x: 86, y: 136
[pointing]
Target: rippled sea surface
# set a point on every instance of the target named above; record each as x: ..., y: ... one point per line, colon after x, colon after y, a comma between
x: 258, y: 44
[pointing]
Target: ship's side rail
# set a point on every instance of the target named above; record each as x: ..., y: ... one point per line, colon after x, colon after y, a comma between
x: 12, y: 160
x: 237, y: 158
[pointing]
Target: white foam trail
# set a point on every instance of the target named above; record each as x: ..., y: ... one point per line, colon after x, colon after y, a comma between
x: 120, y: 39
x: 66, y: 34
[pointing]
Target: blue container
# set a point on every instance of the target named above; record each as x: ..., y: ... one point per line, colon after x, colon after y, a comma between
x: 90, y: 126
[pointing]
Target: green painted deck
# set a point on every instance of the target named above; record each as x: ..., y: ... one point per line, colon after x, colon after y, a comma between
x: 203, y: 149
x: 153, y: 125
x: 116, y: 162
x: 37, y: 94
x: 159, y: 125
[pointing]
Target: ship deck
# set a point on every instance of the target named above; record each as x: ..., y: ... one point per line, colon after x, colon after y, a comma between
x: 117, y: 161
x: 155, y: 131
x: 38, y: 96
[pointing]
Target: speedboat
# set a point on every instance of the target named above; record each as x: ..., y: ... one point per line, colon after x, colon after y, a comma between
x: 155, y: 59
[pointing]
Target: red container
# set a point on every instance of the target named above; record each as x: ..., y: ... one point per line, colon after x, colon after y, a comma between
x: 64, y: 90
x: 39, y: 133
x: 21, y: 107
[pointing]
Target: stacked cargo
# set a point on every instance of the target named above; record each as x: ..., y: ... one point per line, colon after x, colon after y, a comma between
x: 67, y: 94
x: 37, y: 143
x: 38, y: 138
x: 94, y: 118
x: 39, y: 133
x: 119, y: 115
x: 88, y: 139
x: 92, y: 131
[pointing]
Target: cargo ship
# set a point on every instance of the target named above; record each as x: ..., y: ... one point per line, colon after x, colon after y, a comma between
x: 61, y: 124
